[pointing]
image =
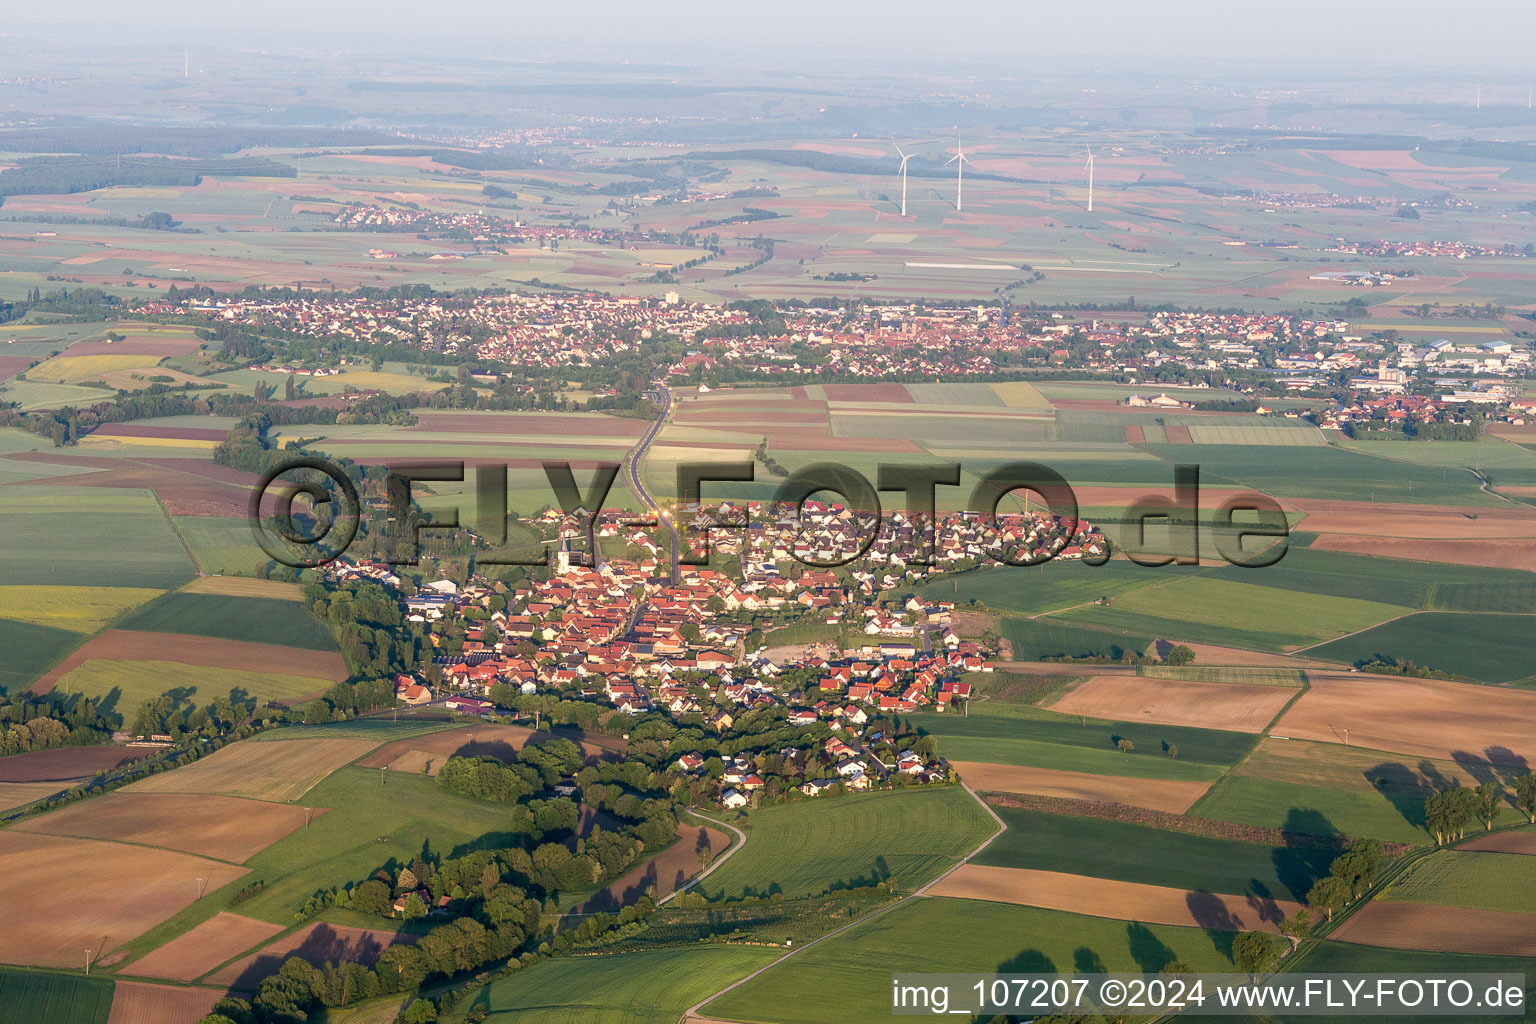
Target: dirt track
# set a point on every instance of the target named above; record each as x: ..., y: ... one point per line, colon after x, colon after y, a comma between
x: 1124, y: 901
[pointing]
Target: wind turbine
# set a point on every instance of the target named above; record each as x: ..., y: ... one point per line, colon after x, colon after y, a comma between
x: 903, y: 172
x: 959, y: 161
x: 1089, y: 165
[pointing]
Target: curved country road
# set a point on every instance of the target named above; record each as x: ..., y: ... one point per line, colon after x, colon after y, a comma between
x: 741, y: 840
x: 692, y: 1014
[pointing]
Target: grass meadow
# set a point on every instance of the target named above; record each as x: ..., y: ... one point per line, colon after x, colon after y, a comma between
x: 1100, y: 848
x: 262, y: 620
x: 848, y: 977
x: 1464, y: 878
x: 807, y: 847
x: 121, y: 686
x: 32, y: 997
x: 1493, y: 648
x: 647, y: 987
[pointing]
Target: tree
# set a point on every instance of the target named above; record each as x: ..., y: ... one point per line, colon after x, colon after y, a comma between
x: 1296, y: 927
x: 1180, y: 655
x: 1125, y: 746
x: 1525, y: 795
x: 1255, y: 953
x: 1487, y: 798
x: 1173, y: 750
x: 414, y: 908
x: 1328, y: 894
x: 421, y: 1011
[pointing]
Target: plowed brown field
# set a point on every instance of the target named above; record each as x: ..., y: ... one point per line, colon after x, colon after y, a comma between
x: 222, y: 827
x: 1418, y: 717
x: 1236, y: 706
x: 135, y: 1002
x: 1442, y: 929
x: 195, y: 953
x: 318, y: 943
x: 1154, y: 794
x: 1124, y: 901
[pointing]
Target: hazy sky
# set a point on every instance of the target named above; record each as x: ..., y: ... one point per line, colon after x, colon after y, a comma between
x: 1191, y: 34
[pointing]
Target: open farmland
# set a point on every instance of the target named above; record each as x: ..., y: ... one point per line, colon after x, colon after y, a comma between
x: 66, y: 764
x: 1126, y: 901
x: 1232, y: 614
x: 373, y: 816
x: 1153, y: 794
x: 191, y: 653
x: 1466, y: 878
x: 244, y: 586
x: 1237, y: 706
x: 1129, y: 852
x: 29, y: 997
x: 224, y: 828
x: 1420, y: 717
x: 216, y: 941
x: 808, y: 847
x: 848, y: 977
x: 77, y: 609
x: 79, y: 894
x: 1425, y: 926
x: 29, y: 650
x: 121, y: 685
x: 427, y: 753
x: 261, y: 620
x: 1393, y: 814
x: 647, y: 987
x: 1522, y: 842
x: 1022, y: 734
x: 319, y: 943
x: 261, y: 771
x: 136, y: 1002
x: 81, y: 538
x: 1491, y: 647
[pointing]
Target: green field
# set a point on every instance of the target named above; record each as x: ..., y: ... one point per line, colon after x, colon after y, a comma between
x: 262, y: 620
x: 1312, y: 472
x: 77, y: 609
x: 1313, y: 809
x: 848, y: 977
x: 1232, y: 614
x: 30, y: 650
x: 80, y: 537
x: 648, y: 987
x: 1387, y: 580
x: 1462, y: 878
x: 1035, y: 589
x: 35, y: 997
x: 221, y: 545
x: 1037, y: 639
x: 1006, y: 734
x: 808, y: 847
x: 121, y: 686
x: 1346, y: 958
x: 1490, y: 647
x: 1100, y: 848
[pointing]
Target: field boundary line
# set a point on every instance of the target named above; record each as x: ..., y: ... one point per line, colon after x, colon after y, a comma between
x: 171, y: 521
x: 693, y: 1012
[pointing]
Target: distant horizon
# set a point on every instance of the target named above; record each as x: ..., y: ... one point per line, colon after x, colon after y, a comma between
x: 1188, y: 37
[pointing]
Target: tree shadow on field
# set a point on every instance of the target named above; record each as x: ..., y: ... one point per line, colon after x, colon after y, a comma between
x: 1149, y: 952
x: 1027, y: 961
x: 1480, y: 770
x: 1212, y: 916
x: 1086, y: 961
x: 1407, y: 788
x: 1309, y: 842
x: 107, y: 706
x: 1507, y: 763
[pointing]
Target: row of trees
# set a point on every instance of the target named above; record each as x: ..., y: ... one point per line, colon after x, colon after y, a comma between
x: 52, y: 720
x: 1447, y: 813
